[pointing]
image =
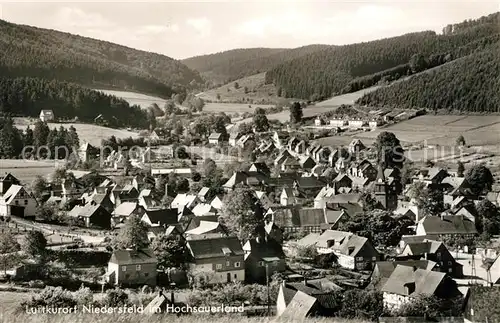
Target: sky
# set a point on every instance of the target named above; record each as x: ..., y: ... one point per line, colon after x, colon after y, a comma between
x: 184, y: 28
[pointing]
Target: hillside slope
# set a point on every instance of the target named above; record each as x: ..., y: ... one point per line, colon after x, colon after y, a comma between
x: 469, y: 84
x: 324, y: 73
x: 224, y: 67
x: 50, y: 54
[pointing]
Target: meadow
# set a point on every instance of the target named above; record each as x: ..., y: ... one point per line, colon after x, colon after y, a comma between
x: 90, y: 133
x: 139, y: 99
x: 27, y: 170
x: 232, y: 108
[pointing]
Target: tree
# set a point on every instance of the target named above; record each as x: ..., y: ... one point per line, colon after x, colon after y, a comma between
x: 245, y: 128
x: 379, y: 226
x: 479, y: 178
x: 488, y: 217
x: 171, y: 251
x: 432, y: 306
x: 460, y: 141
x: 241, y: 212
x: 39, y: 186
x: 260, y: 122
x: 196, y: 176
x: 209, y: 167
x: 361, y: 304
x: 40, y: 133
x: 418, y: 63
x: 406, y: 172
x: 296, y: 113
x: 8, y: 248
x: 389, y: 150
x: 34, y: 244
x: 460, y: 169
x: 183, y: 185
x: 72, y: 140
x: 29, y: 139
x: 134, y: 234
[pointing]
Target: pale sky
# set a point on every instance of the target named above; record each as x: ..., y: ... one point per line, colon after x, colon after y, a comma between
x: 184, y: 29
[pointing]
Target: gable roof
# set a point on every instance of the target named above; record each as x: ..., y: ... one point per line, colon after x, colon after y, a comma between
x: 300, y: 306
x: 386, y: 268
x: 125, y: 209
x: 204, y: 227
x: 162, y: 217
x: 298, y: 217
x: 12, y: 193
x: 215, y: 247
x: 426, y: 282
x: 263, y: 248
x: 133, y: 257
x: 345, y: 243
x: 448, y: 224
x: 87, y: 210
x: 215, y: 135
x: 421, y: 248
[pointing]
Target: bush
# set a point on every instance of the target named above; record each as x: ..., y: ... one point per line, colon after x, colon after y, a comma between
x: 51, y: 296
x: 116, y: 297
x: 36, y: 284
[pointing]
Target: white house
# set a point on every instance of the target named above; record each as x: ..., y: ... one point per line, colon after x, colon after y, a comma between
x: 46, y: 115
x: 18, y: 202
x: 338, y: 122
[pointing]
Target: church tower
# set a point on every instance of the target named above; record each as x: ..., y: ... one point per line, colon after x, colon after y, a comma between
x: 385, y: 192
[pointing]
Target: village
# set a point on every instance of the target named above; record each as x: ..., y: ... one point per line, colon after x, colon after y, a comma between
x: 312, y: 230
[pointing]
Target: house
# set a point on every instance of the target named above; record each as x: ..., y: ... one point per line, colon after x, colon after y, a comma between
x: 160, y: 217
x: 169, y: 231
x: 132, y: 268
x: 356, y: 123
x: 300, y: 148
x: 318, y: 122
x: 299, y: 300
x: 6, y: 181
x: 279, y: 138
x: 446, y: 226
x: 203, y: 194
x: 92, y: 215
x: 353, y: 251
x: 233, y: 138
x: 431, y: 176
x: 466, y: 210
x: 338, y: 122
x: 494, y: 271
x: 407, y: 283
x: 290, y: 164
x: 245, y: 140
x: 263, y: 258
x: 139, y: 182
x: 373, y: 124
x: 363, y: 170
x: 46, y: 115
x: 260, y: 168
x: 181, y: 172
x: 85, y: 151
x: 215, y: 138
x: 307, y: 163
x: 207, y: 227
x: 223, y: 257
x: 385, y: 191
x: 342, y: 181
x: 435, y: 251
x: 294, y: 219
x: 187, y: 200
x: 355, y: 146
x: 125, y: 210
x: 124, y: 193
x: 217, y: 203
x: 204, y: 209
x: 384, y: 269
x: 162, y: 304
x: 17, y: 201
x: 334, y: 218
x: 351, y: 203
x: 323, y: 195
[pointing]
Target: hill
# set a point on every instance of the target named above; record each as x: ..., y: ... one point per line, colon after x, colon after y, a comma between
x: 50, y: 54
x: 224, y: 67
x: 469, y: 84
x: 27, y: 96
x: 330, y: 71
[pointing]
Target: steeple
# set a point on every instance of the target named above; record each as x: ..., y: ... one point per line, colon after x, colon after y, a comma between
x: 380, y: 175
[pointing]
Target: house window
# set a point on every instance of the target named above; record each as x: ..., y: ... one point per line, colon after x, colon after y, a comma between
x: 450, y: 270
x: 124, y: 268
x: 25, y: 202
x: 228, y: 263
x: 359, y: 258
x: 218, y: 266
x: 138, y: 267
x: 260, y: 263
x: 235, y: 276
x: 449, y: 263
x: 17, y: 202
x: 237, y: 264
x: 374, y: 258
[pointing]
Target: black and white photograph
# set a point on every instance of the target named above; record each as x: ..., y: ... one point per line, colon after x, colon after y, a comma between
x: 253, y: 161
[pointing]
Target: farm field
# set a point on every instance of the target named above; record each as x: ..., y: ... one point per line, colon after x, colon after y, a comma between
x: 348, y: 98
x: 232, y: 108
x: 132, y: 98
x: 27, y: 170
x: 90, y: 133
x: 444, y: 130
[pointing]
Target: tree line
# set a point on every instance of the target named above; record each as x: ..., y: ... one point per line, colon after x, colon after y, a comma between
x: 328, y: 72
x: 13, y: 140
x: 466, y: 85
x: 51, y: 54
x: 27, y: 96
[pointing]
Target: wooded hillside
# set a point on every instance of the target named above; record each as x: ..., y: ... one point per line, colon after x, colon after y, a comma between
x: 50, y: 54
x: 328, y: 72
x: 224, y: 67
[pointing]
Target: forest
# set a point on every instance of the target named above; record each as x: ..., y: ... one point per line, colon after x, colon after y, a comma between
x: 50, y: 54
x: 27, y: 96
x: 224, y: 67
x: 333, y: 70
x: 469, y: 84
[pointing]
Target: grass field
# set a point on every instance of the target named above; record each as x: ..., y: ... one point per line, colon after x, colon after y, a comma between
x: 142, y: 100
x: 256, y: 90
x: 348, y: 98
x: 231, y: 108
x: 444, y: 130
x: 91, y: 133
x: 27, y: 170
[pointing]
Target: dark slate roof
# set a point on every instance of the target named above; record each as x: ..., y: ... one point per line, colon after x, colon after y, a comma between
x: 386, y: 268
x: 295, y: 217
x: 163, y: 217
x: 133, y: 257
x: 448, y: 224
x: 425, y: 281
x: 421, y: 248
x: 215, y: 247
x: 263, y: 248
x: 310, y: 182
